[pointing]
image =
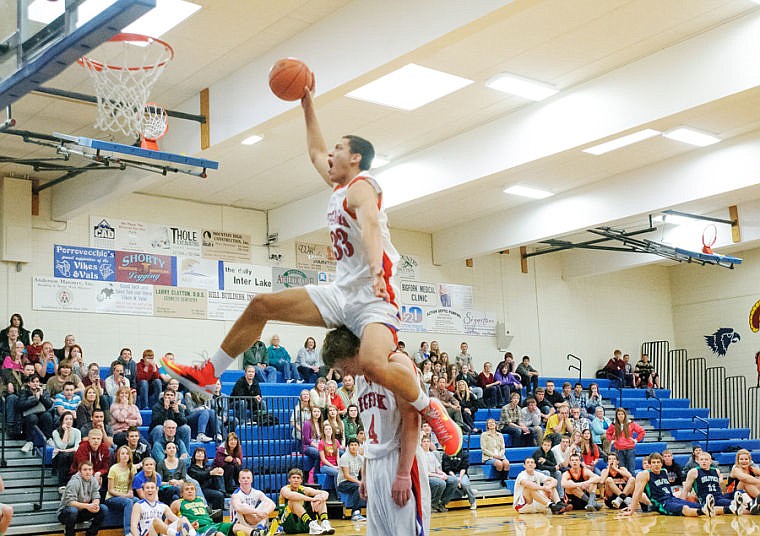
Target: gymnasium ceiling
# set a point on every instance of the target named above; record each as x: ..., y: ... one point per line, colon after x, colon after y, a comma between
x: 620, y: 66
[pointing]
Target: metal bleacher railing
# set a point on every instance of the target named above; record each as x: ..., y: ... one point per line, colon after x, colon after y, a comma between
x: 578, y: 367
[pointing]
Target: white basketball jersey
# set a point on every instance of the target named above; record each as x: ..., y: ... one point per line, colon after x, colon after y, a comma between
x: 380, y: 417
x: 149, y: 512
x: 252, y: 499
x: 352, y: 267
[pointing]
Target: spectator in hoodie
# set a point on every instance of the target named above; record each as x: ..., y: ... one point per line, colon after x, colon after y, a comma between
x: 81, y: 502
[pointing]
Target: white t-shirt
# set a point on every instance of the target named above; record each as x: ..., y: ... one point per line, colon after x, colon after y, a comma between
x: 537, y: 478
x: 354, y: 464
x: 560, y: 456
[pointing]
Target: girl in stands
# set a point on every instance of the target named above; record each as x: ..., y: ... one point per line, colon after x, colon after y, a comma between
x: 329, y: 448
x: 468, y: 403
x: 334, y: 419
x: 90, y: 402
x: 352, y: 422
x: 301, y: 413
x: 311, y: 433
x: 173, y: 471
x: 624, y: 434
x: 590, y: 453
x: 148, y: 473
x: 493, y: 449
x: 120, y: 494
x: 124, y: 413
x: 229, y: 456
x: 66, y: 440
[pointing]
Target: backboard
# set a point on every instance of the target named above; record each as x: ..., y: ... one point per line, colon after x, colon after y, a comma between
x: 40, y: 38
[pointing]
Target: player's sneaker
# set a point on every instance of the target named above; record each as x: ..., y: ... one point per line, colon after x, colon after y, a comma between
x: 315, y: 527
x: 558, y: 507
x: 743, y: 503
x: 200, y: 378
x: 327, y: 527
x: 184, y: 529
x: 754, y: 509
x: 447, y: 432
x: 709, y: 508
x: 617, y: 502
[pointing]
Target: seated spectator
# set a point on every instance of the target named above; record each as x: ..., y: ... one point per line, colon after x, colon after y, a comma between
x: 528, y: 375
x: 65, y: 442
x: 334, y: 419
x: 544, y: 405
x: 348, y: 482
x: 330, y: 373
x: 452, y: 371
x: 509, y: 422
x: 590, y: 453
x: 15, y: 358
x: 334, y: 398
x: 352, y: 422
x: 311, y: 433
x: 279, y: 358
x: 148, y: 380
x: 93, y: 450
x: 457, y: 466
x: 229, y: 456
x: 200, y: 417
x: 492, y: 449
x: 90, y: 402
x: 22, y: 333
x: 168, y: 409
x: 673, y: 468
x: 469, y: 404
x: 577, y: 398
x: 301, y: 412
x: 347, y: 391
x: 308, y: 360
x: 443, y: 487
x: 615, y: 368
x: 130, y: 366
x: 13, y: 384
x: 471, y: 379
x: 93, y: 378
x: 81, y: 502
x: 173, y: 472
x: 617, y: 484
x: 250, y: 508
x: 422, y: 354
x: 34, y: 404
x: 579, y: 484
x: 531, y: 419
x: 63, y: 353
x: 553, y: 396
x: 256, y: 355
x: 594, y: 399
x: 579, y: 420
x: 508, y: 380
x: 559, y: 424
x: 329, y: 450
x: 119, y: 497
x: 8, y: 342
x: 115, y: 380
x: 450, y: 403
x: 34, y: 351
x: 211, y: 479
x: 138, y: 447
x: 599, y: 425
x: 224, y: 421
x: 306, y: 508
x: 426, y: 369
x: 536, y: 492
x: 48, y: 362
x: 76, y: 358
x: 66, y: 400
x: 547, y: 463
x: 99, y: 423
x: 247, y: 387
x: 318, y: 395
x: 124, y: 414
x: 648, y: 377
x: 631, y: 378
x: 562, y: 452
x: 463, y: 357
x: 624, y: 434
x: 169, y: 434
x: 146, y: 474
x: 567, y: 391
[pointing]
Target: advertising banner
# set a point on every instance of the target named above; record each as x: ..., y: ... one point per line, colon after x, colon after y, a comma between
x: 310, y: 256
x: 175, y: 302
x: 49, y: 294
x: 246, y: 277
x: 227, y: 305
x: 72, y: 262
x: 145, y: 268
x: 444, y: 320
x: 479, y: 323
x: 127, y: 235
x: 412, y: 318
x: 124, y: 299
x: 283, y: 278
x: 198, y: 273
x: 408, y: 267
x: 220, y: 245
x: 419, y: 293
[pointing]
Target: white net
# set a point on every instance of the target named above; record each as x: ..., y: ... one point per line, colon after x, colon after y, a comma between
x: 154, y: 122
x: 124, y: 80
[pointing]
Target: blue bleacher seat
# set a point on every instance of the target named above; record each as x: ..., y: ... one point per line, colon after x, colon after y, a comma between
x: 698, y: 435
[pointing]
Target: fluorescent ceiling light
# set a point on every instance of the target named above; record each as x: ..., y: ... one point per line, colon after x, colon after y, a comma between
x: 45, y: 11
x: 525, y: 191
x: 522, y: 87
x: 691, y: 136
x: 379, y: 162
x: 409, y: 87
x: 622, y: 141
x: 251, y: 140
x: 166, y: 15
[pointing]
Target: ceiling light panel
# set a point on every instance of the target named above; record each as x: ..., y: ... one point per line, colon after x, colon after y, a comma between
x: 525, y: 191
x: 622, y: 141
x: 522, y: 87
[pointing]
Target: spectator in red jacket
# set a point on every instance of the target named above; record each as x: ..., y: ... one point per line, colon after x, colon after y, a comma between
x: 148, y: 381
x: 93, y: 450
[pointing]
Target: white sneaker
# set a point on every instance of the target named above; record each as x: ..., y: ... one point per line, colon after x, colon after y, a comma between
x: 743, y: 503
x: 203, y: 438
x: 628, y: 501
x: 27, y: 448
x: 315, y: 528
x: 474, y: 506
x: 617, y: 502
x: 709, y: 508
x: 327, y: 527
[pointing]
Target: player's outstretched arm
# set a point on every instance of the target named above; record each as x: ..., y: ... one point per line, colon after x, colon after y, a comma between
x: 641, y: 481
x: 362, y: 198
x: 315, y: 141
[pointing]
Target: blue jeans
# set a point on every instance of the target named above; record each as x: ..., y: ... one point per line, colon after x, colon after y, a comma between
x: 148, y: 393
x: 11, y: 415
x: 70, y: 516
x: 627, y: 458
x: 442, y: 491
x: 289, y: 371
x: 266, y: 374
x: 352, y: 490
x: 124, y: 505
x: 202, y: 420
x: 311, y: 459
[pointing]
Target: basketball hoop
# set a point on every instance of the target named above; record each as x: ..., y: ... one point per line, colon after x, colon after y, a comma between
x: 709, y: 237
x: 154, y: 125
x: 123, y: 84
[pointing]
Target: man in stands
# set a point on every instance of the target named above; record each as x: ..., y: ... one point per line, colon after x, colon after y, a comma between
x: 248, y: 386
x: 546, y: 407
x: 553, y: 396
x: 463, y: 357
x: 509, y: 421
x: 449, y: 402
x: 130, y: 367
x: 63, y: 353
x: 547, y: 463
x: 347, y: 392
x: 169, y: 435
x: 528, y: 375
x: 615, y: 368
x: 169, y: 409
x: 137, y: 447
x: 81, y: 502
x: 579, y: 484
x: 99, y: 422
x: 559, y: 424
x: 348, y: 482
x: 536, y: 492
x: 531, y: 419
x: 94, y: 451
x: 115, y: 380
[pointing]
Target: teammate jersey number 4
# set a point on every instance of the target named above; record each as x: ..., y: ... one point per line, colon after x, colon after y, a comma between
x: 341, y: 246
x: 371, y: 434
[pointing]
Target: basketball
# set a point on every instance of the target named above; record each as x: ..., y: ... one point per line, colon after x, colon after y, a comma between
x: 288, y: 78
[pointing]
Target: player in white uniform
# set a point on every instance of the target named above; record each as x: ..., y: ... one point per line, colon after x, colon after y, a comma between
x: 362, y: 297
x: 536, y: 492
x: 150, y: 516
x: 396, y: 490
x: 249, y: 507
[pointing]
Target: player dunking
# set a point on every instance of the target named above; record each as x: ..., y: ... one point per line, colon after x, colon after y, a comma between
x: 362, y: 297
x: 397, y: 494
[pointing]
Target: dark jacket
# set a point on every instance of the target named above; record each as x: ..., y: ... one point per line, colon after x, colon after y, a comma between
x: 454, y: 464
x: 27, y: 400
x: 159, y: 415
x: 550, y: 463
x: 242, y: 388
x: 255, y: 354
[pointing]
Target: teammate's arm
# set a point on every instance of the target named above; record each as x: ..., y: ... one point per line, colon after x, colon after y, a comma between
x: 642, y: 479
x: 362, y: 198
x: 691, y: 476
x: 315, y: 141
x: 135, y: 519
x: 175, y: 506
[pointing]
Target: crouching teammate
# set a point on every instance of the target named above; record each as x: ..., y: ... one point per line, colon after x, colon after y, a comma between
x: 192, y: 508
x: 654, y: 484
x: 397, y: 493
x: 249, y: 507
x: 301, y: 503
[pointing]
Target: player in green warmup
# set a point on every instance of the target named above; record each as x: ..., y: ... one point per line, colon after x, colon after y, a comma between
x: 196, y: 512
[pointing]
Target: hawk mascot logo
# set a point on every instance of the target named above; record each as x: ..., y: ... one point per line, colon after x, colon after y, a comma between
x: 719, y: 341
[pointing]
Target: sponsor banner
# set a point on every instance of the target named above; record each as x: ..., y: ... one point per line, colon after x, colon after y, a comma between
x: 283, y: 278
x: 226, y: 246
x: 444, y: 320
x: 227, y: 305
x: 479, y: 323
x: 172, y: 302
x: 198, y: 273
x: 310, y: 256
x: 145, y: 268
x: 419, y: 293
x: 126, y: 235
x: 455, y: 296
x: 246, y: 277
x: 72, y: 262
x: 412, y: 318
x: 49, y: 294
x: 408, y: 267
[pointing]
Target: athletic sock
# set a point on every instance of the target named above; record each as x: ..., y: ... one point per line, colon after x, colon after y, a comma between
x: 305, y: 518
x: 221, y: 361
x: 322, y: 516
x: 622, y: 496
x: 422, y: 402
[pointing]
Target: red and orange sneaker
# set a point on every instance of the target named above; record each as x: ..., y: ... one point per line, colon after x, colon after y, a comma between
x: 446, y: 431
x: 200, y: 378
